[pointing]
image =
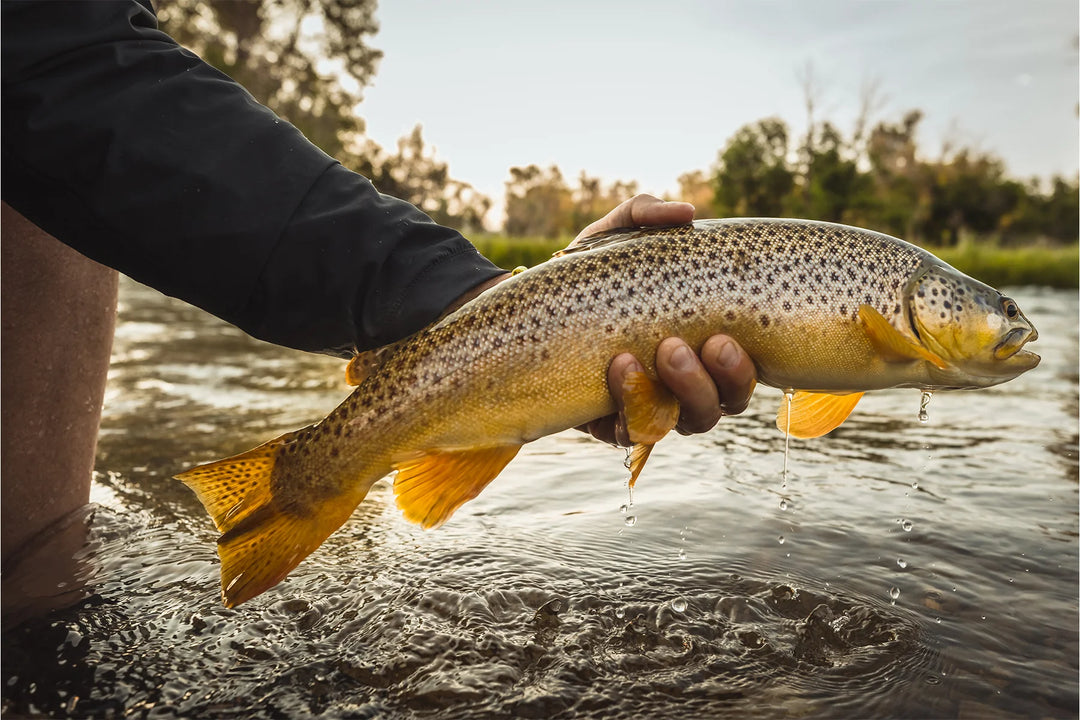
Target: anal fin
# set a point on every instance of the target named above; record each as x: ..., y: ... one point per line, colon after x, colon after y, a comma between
x: 431, y: 486
x: 815, y: 414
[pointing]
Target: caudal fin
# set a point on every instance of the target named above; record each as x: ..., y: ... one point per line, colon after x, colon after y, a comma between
x: 263, y: 537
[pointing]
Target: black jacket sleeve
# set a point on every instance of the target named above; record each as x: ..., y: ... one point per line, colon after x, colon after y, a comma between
x: 133, y: 151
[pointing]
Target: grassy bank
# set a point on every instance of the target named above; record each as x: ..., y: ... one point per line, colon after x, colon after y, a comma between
x: 1057, y: 267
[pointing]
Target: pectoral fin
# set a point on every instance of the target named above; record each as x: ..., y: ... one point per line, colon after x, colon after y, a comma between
x: 815, y: 414
x: 431, y: 486
x: 651, y: 412
x: 888, y: 341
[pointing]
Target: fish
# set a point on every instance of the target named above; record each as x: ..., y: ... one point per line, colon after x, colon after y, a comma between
x: 827, y: 312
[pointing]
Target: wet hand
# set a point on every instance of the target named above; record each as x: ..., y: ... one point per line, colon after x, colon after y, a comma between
x: 716, y: 382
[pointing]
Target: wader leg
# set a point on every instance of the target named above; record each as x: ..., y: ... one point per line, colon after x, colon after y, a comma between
x: 58, y: 312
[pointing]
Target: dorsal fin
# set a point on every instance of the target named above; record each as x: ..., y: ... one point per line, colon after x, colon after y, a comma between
x: 609, y: 237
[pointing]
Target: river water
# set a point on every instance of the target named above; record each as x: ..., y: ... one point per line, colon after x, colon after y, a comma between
x: 903, y: 570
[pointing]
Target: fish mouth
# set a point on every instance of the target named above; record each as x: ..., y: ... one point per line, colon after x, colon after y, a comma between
x: 1014, y: 342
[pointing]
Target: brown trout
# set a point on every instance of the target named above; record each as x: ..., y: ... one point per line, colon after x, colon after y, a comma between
x: 825, y: 311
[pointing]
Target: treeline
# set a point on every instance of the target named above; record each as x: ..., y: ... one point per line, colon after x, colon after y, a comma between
x: 876, y: 179
x: 873, y: 176
x: 879, y: 179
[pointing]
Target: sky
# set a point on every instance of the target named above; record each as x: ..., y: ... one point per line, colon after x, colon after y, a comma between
x: 647, y: 91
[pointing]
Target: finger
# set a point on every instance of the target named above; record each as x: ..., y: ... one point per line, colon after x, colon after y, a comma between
x: 603, y: 429
x: 686, y: 377
x: 732, y: 370
x: 620, y: 366
x: 641, y: 210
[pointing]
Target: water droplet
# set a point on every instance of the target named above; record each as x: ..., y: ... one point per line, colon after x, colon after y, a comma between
x: 620, y: 613
x: 901, y: 562
x: 924, y: 416
x: 914, y: 484
x: 783, y: 504
x: 682, y: 553
x: 894, y: 593
x: 630, y: 521
x: 906, y: 525
x: 780, y: 539
x: 678, y: 605
x: 623, y: 508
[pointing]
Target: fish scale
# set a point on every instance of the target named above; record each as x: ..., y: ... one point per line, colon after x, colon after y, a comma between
x: 827, y: 310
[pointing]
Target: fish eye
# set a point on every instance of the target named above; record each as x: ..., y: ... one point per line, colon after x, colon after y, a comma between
x: 1009, y: 308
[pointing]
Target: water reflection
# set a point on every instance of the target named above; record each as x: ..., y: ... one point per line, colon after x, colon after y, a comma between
x: 538, y: 599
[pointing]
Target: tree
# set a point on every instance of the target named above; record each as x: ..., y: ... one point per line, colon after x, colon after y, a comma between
x: 753, y: 177
x: 415, y: 175
x: 306, y: 60
x: 538, y: 203
x: 696, y: 188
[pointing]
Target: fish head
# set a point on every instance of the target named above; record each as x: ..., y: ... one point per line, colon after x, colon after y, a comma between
x: 978, y: 331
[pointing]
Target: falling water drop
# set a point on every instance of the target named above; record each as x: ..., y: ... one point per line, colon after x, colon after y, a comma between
x: 682, y: 553
x: 788, y: 395
x: 901, y: 562
x: 906, y: 525
x: 783, y: 503
x: 620, y: 612
x: 678, y: 604
x: 894, y: 593
x: 780, y: 539
x: 630, y: 521
x: 924, y: 416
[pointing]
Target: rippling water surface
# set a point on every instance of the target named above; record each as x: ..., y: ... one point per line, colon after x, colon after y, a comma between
x: 903, y: 570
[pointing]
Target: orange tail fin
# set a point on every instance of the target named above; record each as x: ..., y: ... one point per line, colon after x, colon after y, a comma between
x: 263, y: 538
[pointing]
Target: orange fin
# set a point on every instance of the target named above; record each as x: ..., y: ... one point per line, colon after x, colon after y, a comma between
x: 651, y: 410
x: 359, y: 368
x: 363, y: 365
x: 890, y: 343
x: 638, y: 456
x: 263, y: 540
x: 232, y: 488
x: 815, y: 414
x: 431, y: 486
x: 258, y: 552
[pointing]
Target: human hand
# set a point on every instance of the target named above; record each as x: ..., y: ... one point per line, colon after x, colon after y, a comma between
x: 717, y: 382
